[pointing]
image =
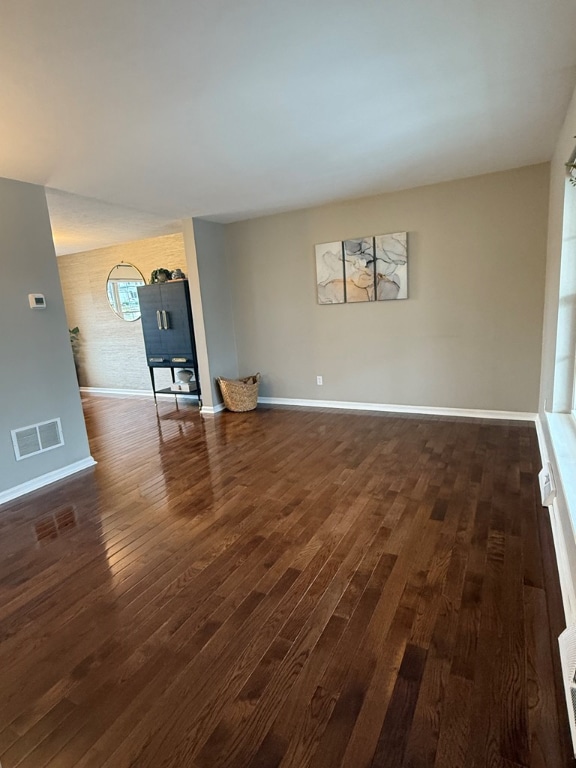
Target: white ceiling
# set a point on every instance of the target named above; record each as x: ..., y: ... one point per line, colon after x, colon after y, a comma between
x: 83, y: 223
x: 231, y: 108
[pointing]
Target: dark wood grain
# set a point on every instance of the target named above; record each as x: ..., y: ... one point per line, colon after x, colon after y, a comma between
x: 281, y: 589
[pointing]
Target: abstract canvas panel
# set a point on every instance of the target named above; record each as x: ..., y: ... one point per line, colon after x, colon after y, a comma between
x: 363, y: 269
x: 359, y: 269
x: 330, y: 273
x: 391, y: 266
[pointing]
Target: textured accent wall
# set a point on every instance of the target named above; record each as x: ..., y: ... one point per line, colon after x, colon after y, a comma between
x: 111, y: 350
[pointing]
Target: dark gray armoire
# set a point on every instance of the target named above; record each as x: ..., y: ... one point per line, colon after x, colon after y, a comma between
x: 168, y: 330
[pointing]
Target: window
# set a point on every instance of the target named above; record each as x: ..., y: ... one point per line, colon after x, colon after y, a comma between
x: 565, y: 366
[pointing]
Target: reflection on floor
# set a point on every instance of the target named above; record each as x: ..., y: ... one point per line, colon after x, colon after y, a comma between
x: 284, y: 587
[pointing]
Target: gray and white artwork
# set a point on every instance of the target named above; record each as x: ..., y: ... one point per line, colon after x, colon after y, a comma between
x: 363, y: 269
x: 330, y: 273
x: 359, y: 269
x: 391, y: 266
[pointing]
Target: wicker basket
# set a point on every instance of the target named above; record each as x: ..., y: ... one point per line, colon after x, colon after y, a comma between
x: 240, y: 394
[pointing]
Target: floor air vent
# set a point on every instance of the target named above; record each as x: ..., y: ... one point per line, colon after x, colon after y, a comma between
x: 37, y: 438
x: 567, y: 643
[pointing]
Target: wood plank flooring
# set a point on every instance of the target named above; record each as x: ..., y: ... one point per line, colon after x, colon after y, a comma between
x: 282, y: 589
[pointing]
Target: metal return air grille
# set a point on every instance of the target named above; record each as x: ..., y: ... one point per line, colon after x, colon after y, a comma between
x: 37, y: 438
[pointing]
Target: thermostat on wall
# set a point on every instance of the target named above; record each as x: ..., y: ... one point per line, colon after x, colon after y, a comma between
x: 37, y: 300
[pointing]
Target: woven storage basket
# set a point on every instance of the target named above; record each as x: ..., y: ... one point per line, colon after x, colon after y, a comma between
x: 240, y: 394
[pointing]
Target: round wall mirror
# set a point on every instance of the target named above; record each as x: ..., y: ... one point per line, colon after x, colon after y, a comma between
x: 122, y: 290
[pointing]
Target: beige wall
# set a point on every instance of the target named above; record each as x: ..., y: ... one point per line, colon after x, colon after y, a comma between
x: 468, y: 337
x: 112, y: 351
x: 37, y: 380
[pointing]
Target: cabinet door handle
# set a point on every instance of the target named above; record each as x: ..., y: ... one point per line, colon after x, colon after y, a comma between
x: 165, y: 316
x: 159, y: 319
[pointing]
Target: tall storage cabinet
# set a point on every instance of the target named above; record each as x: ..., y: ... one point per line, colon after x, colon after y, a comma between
x: 168, y: 329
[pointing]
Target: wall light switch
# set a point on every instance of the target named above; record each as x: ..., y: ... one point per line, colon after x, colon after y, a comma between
x: 37, y: 300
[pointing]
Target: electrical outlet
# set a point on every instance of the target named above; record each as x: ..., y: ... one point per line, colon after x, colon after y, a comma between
x: 319, y: 381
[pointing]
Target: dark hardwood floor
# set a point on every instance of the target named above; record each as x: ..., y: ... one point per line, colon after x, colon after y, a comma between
x: 283, y: 588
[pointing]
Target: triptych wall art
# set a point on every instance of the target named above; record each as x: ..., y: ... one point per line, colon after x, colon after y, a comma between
x: 364, y: 269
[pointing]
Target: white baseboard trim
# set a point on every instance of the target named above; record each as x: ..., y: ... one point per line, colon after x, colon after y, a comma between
x: 425, y: 410
x: 132, y: 393
x: 47, y: 479
x: 209, y: 410
x: 117, y: 392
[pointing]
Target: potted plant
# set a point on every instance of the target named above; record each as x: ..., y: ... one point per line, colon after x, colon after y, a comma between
x: 75, y: 342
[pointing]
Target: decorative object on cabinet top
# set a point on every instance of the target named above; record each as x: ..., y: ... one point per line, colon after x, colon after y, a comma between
x: 160, y: 275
